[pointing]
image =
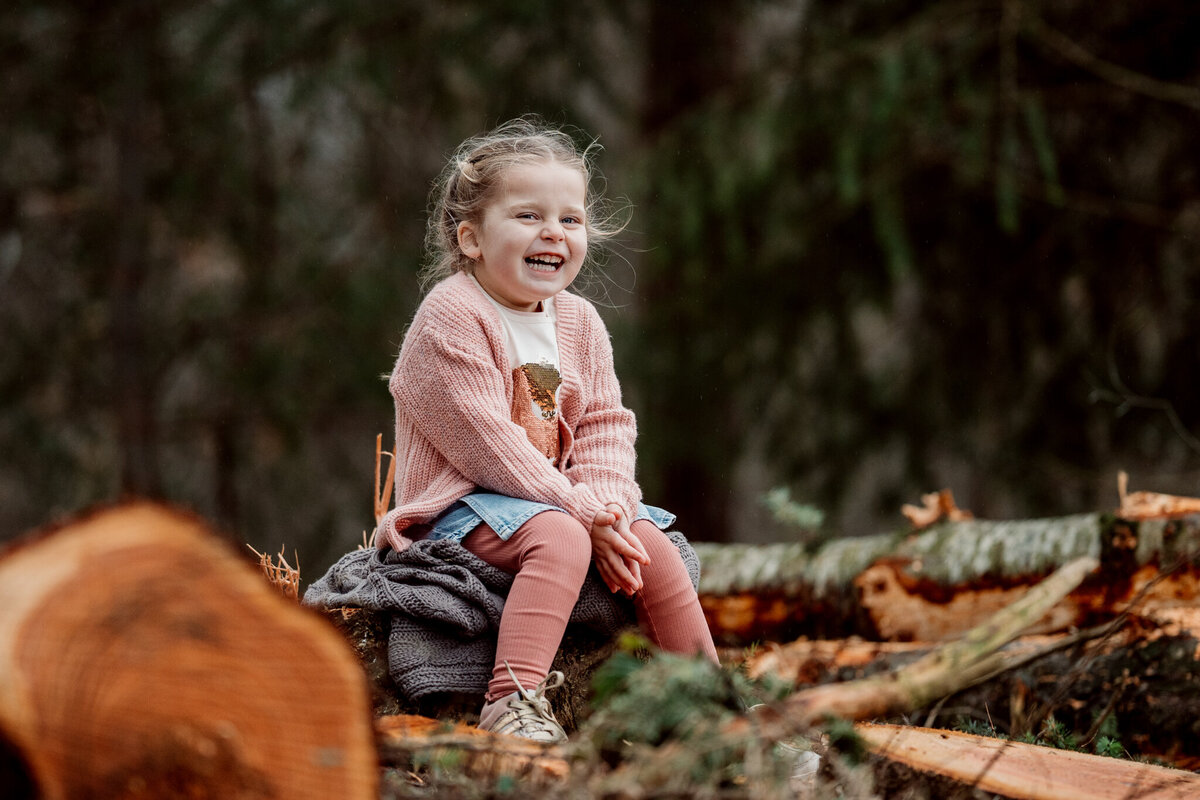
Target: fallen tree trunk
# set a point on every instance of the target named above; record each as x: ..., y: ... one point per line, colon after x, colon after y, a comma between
x: 141, y: 657
x: 936, y: 584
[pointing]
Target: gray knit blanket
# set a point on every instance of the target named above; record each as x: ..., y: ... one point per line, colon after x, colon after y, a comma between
x: 446, y: 604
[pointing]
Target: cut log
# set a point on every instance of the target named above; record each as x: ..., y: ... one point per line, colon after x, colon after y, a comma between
x: 141, y: 657
x: 582, y: 651
x: 1025, y: 771
x: 937, y: 584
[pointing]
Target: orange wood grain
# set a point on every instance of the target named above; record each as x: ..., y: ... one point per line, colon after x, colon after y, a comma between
x: 1026, y: 771
x: 142, y: 657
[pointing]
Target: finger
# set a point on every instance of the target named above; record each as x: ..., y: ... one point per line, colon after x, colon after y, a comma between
x: 635, y: 569
x: 635, y: 544
x: 621, y: 573
x: 611, y: 579
x: 628, y: 548
x: 606, y: 576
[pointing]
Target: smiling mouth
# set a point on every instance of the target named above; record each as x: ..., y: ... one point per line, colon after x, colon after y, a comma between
x: 545, y: 263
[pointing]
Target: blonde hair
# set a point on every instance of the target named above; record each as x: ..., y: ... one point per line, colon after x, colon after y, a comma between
x: 476, y: 171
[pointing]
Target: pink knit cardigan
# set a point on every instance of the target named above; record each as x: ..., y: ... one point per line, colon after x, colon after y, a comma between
x: 453, y: 391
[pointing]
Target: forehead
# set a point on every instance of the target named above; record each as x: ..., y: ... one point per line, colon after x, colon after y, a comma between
x: 545, y: 180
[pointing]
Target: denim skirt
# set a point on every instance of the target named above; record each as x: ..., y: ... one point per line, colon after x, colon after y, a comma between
x: 505, y: 514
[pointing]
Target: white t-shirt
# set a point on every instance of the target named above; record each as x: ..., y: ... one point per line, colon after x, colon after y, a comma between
x: 532, y: 346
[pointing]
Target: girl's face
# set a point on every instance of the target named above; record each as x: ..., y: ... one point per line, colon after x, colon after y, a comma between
x: 531, y: 241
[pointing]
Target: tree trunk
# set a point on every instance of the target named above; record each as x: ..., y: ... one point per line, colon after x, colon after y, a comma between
x: 133, y: 388
x: 142, y: 658
x: 936, y: 584
x: 580, y: 654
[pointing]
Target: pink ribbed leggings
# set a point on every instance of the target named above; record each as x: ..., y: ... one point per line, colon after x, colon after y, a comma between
x: 550, y: 555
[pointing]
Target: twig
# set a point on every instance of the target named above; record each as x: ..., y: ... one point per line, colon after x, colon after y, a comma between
x: 1018, y: 661
x: 1124, y: 399
x: 1115, y: 74
x: 1106, y: 713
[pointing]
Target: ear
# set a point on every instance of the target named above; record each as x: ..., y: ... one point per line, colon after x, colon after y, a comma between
x: 468, y: 240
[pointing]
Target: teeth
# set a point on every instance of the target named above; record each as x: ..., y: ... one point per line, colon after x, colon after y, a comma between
x: 546, y: 262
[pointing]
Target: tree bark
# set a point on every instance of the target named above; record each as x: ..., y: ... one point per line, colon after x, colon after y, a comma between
x: 142, y: 658
x: 936, y: 584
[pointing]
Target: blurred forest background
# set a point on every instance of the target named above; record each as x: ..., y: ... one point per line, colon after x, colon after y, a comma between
x: 877, y: 247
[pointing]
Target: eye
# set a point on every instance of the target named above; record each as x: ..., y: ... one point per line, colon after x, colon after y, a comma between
x: 572, y: 221
x: 526, y: 215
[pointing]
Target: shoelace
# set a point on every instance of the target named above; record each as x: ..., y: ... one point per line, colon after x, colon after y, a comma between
x: 535, y: 699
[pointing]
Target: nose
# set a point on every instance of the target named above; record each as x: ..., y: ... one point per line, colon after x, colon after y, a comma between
x: 552, y: 231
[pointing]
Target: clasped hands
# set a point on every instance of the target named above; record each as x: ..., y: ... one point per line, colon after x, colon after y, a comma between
x: 618, y: 554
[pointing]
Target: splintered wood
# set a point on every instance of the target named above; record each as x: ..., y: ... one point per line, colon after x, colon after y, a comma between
x: 383, y: 496
x: 280, y: 574
x: 935, y: 507
x: 902, y: 611
x: 1152, y: 505
x: 142, y: 657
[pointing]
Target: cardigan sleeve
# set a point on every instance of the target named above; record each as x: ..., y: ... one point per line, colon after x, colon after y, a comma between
x: 455, y: 396
x: 603, y: 456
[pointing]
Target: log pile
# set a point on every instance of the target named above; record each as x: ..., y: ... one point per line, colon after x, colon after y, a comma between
x: 939, y: 672
x: 1122, y: 646
x: 1118, y: 610
x: 142, y: 658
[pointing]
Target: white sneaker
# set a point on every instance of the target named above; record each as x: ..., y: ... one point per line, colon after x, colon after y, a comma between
x: 525, y: 713
x: 804, y: 762
x: 805, y: 765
